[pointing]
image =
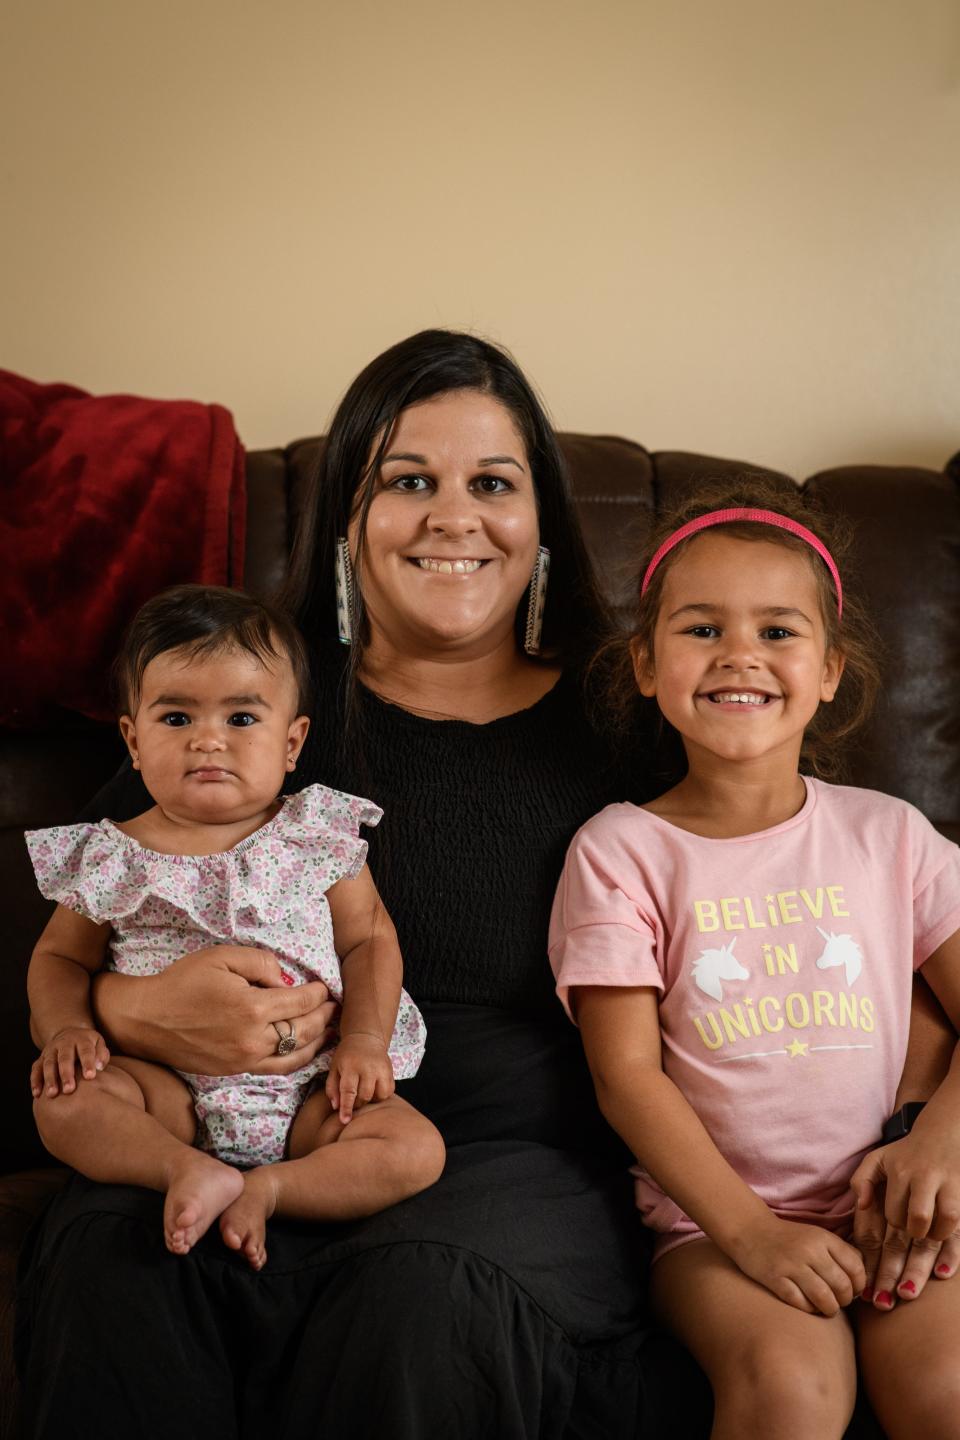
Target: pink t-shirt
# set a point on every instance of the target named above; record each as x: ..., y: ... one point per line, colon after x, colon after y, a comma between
x: 784, y: 961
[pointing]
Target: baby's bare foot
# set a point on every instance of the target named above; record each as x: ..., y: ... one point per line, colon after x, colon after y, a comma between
x: 199, y: 1190
x: 243, y: 1224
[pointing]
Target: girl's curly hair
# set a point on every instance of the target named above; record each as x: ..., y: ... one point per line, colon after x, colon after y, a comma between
x: 853, y: 635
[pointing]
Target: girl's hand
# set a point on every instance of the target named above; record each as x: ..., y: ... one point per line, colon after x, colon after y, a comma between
x: 360, y: 1071
x: 212, y: 1013
x: 803, y: 1265
x: 76, y: 1046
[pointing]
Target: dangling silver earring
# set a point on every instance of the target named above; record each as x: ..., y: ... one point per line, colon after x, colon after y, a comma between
x: 344, y: 577
x: 536, y: 600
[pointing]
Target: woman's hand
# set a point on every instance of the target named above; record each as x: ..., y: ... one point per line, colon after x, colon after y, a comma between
x: 212, y: 1013
x: 908, y: 1192
x: 803, y: 1265
x: 907, y: 1221
x: 898, y: 1267
x: 919, y: 1178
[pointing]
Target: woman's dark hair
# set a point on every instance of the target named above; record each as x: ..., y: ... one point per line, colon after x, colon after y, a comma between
x: 206, y: 620
x: 431, y: 363
x: 853, y: 635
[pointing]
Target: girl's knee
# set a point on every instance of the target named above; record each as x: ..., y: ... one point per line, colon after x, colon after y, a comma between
x: 924, y: 1402
x: 934, y: 1406
x: 768, y: 1388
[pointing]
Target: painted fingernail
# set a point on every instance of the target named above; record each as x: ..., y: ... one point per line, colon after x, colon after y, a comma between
x: 885, y: 1299
x: 943, y: 1269
x: 287, y: 979
x: 867, y: 1293
x: 908, y: 1287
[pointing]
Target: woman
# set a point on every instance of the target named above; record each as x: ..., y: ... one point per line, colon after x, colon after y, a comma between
x: 507, y: 1300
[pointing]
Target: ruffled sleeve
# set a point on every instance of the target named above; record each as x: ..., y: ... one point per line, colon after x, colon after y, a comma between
x: 85, y: 868
x: 324, y: 825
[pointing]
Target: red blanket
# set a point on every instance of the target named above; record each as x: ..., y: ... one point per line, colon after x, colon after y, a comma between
x: 105, y: 500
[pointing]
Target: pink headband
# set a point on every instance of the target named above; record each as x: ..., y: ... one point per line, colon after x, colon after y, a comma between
x: 762, y: 517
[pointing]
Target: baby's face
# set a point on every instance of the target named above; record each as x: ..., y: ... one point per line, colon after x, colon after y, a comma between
x: 213, y: 735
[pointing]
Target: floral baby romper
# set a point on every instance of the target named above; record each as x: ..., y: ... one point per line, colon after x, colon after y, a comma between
x: 269, y: 891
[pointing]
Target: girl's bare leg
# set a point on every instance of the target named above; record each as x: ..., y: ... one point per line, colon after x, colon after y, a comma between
x: 775, y: 1371
x: 910, y: 1362
x: 387, y: 1152
x: 134, y: 1125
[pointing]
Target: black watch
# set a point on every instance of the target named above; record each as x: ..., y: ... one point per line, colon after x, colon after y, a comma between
x: 902, y: 1122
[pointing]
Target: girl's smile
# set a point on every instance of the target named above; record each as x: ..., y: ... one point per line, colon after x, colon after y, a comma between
x: 739, y: 662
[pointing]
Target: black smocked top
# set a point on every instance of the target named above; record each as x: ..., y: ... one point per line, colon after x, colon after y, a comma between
x: 477, y: 820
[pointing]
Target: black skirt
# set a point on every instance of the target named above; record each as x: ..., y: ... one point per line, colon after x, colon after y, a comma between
x: 507, y: 1301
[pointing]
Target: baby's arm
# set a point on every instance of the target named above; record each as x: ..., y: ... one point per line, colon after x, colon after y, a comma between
x: 372, y: 971
x: 69, y: 951
x: 803, y: 1265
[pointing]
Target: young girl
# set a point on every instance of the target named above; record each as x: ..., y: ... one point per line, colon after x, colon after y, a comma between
x: 213, y: 686
x: 738, y: 955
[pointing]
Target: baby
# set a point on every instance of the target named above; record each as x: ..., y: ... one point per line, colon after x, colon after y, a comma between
x: 213, y: 686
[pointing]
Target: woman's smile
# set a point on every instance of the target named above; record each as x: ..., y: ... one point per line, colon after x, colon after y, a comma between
x: 452, y: 529
x: 447, y: 567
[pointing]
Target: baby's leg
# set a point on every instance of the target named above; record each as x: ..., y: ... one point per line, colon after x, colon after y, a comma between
x: 134, y: 1125
x: 775, y: 1371
x: 910, y: 1362
x: 386, y: 1153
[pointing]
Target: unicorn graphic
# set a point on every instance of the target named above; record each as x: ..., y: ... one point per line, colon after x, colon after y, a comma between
x: 713, y: 966
x: 841, y: 950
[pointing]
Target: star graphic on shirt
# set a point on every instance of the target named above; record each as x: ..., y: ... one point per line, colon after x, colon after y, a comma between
x: 798, y: 1047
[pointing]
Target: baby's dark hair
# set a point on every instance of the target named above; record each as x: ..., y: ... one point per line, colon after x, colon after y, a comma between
x: 853, y: 635
x: 206, y: 620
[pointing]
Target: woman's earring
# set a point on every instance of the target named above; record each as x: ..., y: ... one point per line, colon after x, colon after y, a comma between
x: 344, y: 574
x: 536, y: 600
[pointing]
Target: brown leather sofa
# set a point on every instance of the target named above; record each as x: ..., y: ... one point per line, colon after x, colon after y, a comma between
x: 908, y: 544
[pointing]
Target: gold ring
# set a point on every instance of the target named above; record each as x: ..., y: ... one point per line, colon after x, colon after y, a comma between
x: 288, y: 1042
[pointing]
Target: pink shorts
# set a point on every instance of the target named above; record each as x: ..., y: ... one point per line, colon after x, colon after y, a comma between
x: 674, y: 1228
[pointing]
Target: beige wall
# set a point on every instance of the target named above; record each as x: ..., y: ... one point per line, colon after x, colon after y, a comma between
x: 723, y: 225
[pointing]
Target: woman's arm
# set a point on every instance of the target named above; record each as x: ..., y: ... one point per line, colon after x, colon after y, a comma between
x: 212, y: 1013
x: 804, y: 1265
x: 921, y: 1173
x: 929, y: 1048
x: 372, y: 971
x: 895, y: 1263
